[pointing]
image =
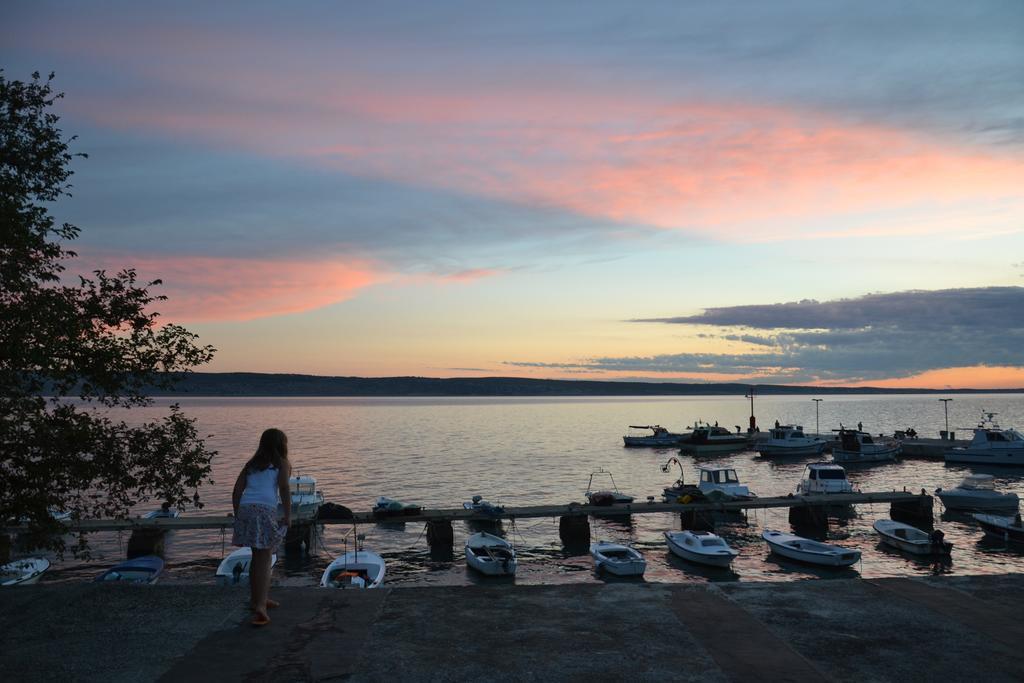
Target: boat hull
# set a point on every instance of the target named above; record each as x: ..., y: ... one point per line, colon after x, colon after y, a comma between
x: 1001, y: 528
x: 653, y: 441
x: 625, y: 562
x: 972, y: 500
x: 241, y: 559
x: 24, y: 572
x: 779, y: 451
x: 993, y: 456
x: 718, y: 559
x: 914, y: 544
x: 852, y: 457
x: 790, y: 548
x: 701, y: 448
x: 365, y: 565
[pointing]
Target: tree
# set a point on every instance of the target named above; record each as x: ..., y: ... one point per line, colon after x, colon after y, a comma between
x: 76, y: 353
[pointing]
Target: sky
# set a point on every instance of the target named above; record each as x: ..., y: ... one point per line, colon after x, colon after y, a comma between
x: 786, y: 192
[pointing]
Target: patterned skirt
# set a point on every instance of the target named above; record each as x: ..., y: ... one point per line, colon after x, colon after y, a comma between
x: 256, y: 526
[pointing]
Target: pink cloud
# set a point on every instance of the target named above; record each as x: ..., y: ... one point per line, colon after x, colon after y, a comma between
x: 211, y: 288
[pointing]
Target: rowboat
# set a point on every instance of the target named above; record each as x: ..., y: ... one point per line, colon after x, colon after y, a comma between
x: 234, y: 568
x: 807, y: 550
x: 1006, y: 529
x: 620, y: 560
x: 23, y: 572
x: 490, y: 554
x: 355, y: 569
x: 145, y: 569
x: 702, y: 547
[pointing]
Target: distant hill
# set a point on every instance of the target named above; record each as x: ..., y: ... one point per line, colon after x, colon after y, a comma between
x: 260, y: 384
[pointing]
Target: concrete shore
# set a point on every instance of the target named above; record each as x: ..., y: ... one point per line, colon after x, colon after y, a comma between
x: 940, y: 628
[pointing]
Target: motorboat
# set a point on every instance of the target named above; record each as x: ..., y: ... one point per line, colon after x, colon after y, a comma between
x: 490, y: 554
x: 721, y: 483
x: 605, y: 496
x: 977, y: 492
x: 145, y: 569
x: 617, y: 559
x: 389, y: 507
x: 702, y: 547
x: 911, y: 539
x: 306, y: 498
x: 234, y: 568
x: 658, y: 438
x: 707, y: 438
x: 807, y: 550
x: 23, y: 572
x: 1006, y: 529
x: 856, y: 446
x: 680, y: 491
x: 790, y: 440
x: 358, y: 568
x: 478, y: 504
x: 824, y: 477
x: 991, y: 445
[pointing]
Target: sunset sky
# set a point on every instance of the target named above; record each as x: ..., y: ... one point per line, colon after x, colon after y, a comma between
x: 785, y: 192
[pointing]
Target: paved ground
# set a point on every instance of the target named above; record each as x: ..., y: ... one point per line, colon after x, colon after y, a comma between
x: 948, y: 628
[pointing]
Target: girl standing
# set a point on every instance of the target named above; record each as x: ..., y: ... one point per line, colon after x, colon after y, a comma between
x: 261, y: 485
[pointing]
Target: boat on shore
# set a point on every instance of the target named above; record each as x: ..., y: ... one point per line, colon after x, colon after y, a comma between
x: 856, y: 446
x: 911, y: 539
x: 23, y: 572
x: 790, y: 440
x: 358, y: 568
x: 991, y: 445
x: 145, y: 570
x: 824, y: 477
x: 810, y: 551
x: 234, y: 568
x: 707, y: 438
x: 977, y: 492
x: 617, y: 559
x: 1006, y: 529
x: 702, y: 547
x: 490, y: 554
x: 658, y: 438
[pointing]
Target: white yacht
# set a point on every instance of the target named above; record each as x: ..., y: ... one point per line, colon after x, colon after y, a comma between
x: 722, y: 483
x: 306, y: 499
x: 856, y: 446
x: 991, y: 445
x: 790, y: 440
x: 824, y: 477
x: 977, y: 492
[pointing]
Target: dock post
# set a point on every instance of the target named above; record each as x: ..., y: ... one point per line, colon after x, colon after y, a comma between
x: 917, y: 512
x: 299, y: 534
x: 810, y: 519
x: 695, y: 521
x: 440, y: 533
x: 574, y: 530
x: 146, y: 542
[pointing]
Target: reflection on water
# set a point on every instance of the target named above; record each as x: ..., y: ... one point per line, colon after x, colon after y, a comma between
x: 516, y: 451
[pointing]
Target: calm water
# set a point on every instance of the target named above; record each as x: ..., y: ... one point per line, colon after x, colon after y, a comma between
x: 529, y: 451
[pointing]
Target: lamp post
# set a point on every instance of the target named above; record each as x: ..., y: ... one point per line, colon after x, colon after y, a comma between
x: 817, y: 426
x: 945, y: 407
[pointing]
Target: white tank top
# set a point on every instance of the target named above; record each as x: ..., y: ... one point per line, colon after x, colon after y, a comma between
x: 261, y: 488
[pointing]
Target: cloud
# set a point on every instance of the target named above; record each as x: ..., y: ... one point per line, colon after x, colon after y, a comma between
x: 869, y: 338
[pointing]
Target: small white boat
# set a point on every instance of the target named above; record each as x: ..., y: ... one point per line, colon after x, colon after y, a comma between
x: 234, y: 568
x: 856, y: 446
x: 991, y: 445
x: 977, y: 492
x: 355, y: 569
x: 23, y: 572
x: 606, y: 496
x: 790, y: 440
x: 659, y: 438
x: 620, y: 560
x: 911, y: 539
x: 145, y: 569
x: 702, y: 547
x: 165, y: 512
x: 824, y: 477
x: 490, y: 554
x: 722, y: 483
x: 807, y: 550
x: 306, y: 499
x: 1006, y: 529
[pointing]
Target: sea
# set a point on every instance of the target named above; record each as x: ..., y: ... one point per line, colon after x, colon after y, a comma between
x: 440, y: 452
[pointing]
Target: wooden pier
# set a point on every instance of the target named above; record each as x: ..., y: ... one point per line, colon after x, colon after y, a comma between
x: 806, y: 511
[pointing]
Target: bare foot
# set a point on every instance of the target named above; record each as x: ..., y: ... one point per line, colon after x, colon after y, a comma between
x: 271, y: 604
x: 260, y: 619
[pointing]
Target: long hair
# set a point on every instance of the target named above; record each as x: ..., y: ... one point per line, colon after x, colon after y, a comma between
x: 272, y: 451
